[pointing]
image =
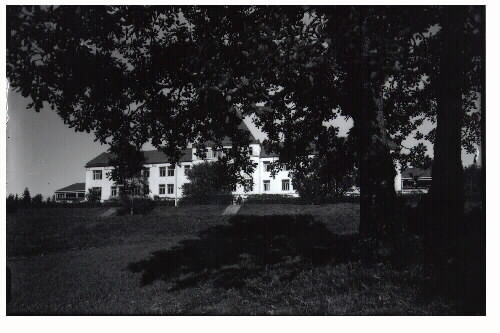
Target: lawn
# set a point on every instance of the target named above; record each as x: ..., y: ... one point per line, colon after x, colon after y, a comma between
x: 268, y: 259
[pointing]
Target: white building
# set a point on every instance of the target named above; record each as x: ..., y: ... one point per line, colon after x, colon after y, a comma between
x: 165, y: 181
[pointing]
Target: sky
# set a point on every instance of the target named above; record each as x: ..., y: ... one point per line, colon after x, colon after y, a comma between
x: 44, y: 154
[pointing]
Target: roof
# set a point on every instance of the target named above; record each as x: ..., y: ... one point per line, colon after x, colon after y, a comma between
x: 265, y: 153
x: 76, y: 187
x: 416, y: 172
x: 226, y: 141
x: 151, y: 157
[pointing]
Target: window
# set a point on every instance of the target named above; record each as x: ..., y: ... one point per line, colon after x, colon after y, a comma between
x: 114, y: 192
x: 250, y: 151
x: 161, y: 189
x: 81, y: 195
x: 96, y: 191
x: 145, y: 173
x: 285, y: 185
x: 60, y: 195
x: 267, y: 185
x: 136, y: 190
x: 267, y: 166
x: 285, y: 168
x: 146, y: 189
x: 171, y: 171
x: 170, y: 188
x: 186, y: 169
x: 162, y: 171
x: 97, y: 174
x: 209, y: 154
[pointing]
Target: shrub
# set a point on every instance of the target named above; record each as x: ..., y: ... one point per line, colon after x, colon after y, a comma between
x: 141, y: 206
x: 272, y: 198
x: 210, y: 183
x: 213, y: 199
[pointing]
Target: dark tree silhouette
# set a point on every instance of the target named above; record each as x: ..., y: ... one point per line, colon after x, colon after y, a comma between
x: 177, y: 75
x: 26, y: 197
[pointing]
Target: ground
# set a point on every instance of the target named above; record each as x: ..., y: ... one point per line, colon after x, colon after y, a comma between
x: 267, y: 259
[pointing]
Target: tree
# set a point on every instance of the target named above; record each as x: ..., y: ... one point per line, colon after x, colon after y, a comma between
x: 26, y: 197
x: 37, y: 200
x: 328, y: 175
x: 128, y: 74
x: 92, y: 196
x: 11, y: 204
x: 208, y: 183
x: 175, y: 75
x: 457, y: 83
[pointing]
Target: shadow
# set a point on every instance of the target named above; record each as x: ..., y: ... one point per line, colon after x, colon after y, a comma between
x: 248, y: 246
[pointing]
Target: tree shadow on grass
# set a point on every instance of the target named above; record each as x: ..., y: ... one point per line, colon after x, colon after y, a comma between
x: 247, y: 247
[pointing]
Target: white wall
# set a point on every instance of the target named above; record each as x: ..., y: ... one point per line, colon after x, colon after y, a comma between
x: 179, y: 178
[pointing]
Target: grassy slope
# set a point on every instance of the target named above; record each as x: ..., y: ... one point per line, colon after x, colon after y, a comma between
x: 192, y: 260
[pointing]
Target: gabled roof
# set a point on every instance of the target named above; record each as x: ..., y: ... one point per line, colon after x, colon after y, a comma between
x: 416, y: 172
x: 265, y: 153
x: 76, y: 187
x: 151, y: 157
x: 226, y: 141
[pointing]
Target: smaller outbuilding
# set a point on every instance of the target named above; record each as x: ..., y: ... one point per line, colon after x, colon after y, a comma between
x: 416, y: 180
x: 72, y: 193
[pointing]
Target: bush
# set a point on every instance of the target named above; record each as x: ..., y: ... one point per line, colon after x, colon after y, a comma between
x: 287, y: 199
x: 168, y: 202
x: 209, y: 183
x: 141, y: 206
x: 214, y: 199
x: 272, y: 198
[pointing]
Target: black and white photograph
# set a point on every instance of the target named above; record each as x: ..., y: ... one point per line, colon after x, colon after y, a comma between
x: 245, y: 160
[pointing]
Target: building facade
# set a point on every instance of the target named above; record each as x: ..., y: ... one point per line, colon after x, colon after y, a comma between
x: 165, y: 181
x: 72, y: 193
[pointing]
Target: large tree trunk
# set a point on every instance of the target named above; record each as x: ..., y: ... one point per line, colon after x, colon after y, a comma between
x: 376, y: 171
x: 447, y: 190
x: 376, y: 168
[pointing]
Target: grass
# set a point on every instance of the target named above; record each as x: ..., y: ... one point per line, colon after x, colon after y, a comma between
x: 277, y: 259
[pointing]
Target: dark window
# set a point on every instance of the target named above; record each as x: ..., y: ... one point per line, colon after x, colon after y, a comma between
x: 96, y: 191
x: 170, y: 188
x: 186, y: 169
x: 114, y: 192
x: 162, y: 171
x: 97, y: 174
x: 171, y: 171
x: 267, y: 185
x: 285, y: 185
x: 161, y: 189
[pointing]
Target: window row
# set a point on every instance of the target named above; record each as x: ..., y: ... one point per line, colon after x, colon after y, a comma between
x: 164, y: 171
x: 285, y: 185
x: 170, y: 189
x: 115, y: 190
